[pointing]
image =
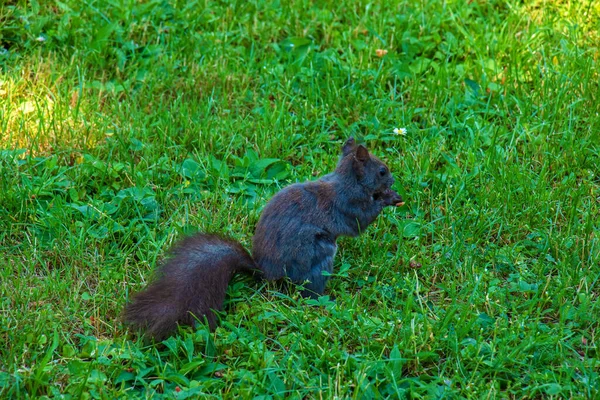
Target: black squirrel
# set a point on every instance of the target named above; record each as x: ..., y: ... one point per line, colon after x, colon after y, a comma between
x: 295, y: 238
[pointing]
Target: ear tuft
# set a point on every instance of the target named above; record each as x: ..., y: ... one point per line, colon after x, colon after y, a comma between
x: 362, y: 154
x: 349, y: 146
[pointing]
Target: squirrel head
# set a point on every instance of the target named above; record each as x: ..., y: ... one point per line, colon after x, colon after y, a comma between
x: 369, y: 171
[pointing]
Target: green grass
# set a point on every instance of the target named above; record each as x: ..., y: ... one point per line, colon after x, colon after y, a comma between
x: 126, y: 124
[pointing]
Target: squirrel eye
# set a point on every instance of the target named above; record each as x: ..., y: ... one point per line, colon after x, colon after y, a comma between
x: 382, y: 171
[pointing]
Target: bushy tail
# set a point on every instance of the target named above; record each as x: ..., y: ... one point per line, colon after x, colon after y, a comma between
x: 190, y: 284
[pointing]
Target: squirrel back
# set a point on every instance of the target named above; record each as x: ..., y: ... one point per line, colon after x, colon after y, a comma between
x: 190, y: 284
x: 295, y: 238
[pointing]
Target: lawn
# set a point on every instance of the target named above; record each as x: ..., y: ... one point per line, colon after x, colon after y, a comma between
x: 125, y: 125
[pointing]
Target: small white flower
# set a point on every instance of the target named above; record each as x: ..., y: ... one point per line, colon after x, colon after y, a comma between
x: 40, y: 39
x: 400, y: 131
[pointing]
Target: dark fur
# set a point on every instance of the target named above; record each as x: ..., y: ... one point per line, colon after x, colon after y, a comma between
x: 192, y: 282
x: 295, y: 238
x: 297, y: 232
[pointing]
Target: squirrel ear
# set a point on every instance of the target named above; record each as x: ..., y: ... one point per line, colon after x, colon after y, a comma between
x: 362, y: 154
x: 349, y: 146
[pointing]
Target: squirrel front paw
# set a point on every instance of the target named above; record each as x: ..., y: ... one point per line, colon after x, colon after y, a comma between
x: 390, y: 198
